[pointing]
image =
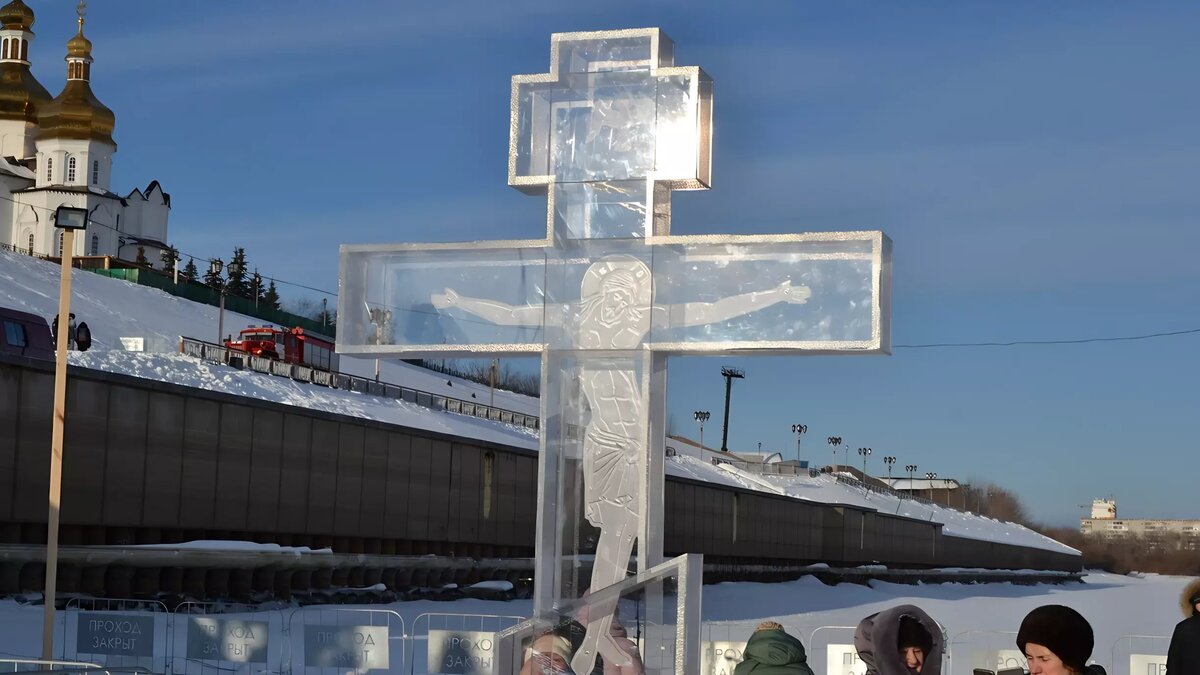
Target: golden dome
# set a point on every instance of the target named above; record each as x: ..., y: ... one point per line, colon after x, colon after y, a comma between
x: 16, y: 15
x: 76, y: 113
x: 79, y: 46
x: 21, y: 95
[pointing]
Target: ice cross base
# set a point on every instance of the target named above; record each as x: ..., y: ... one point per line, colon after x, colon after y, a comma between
x: 608, y: 294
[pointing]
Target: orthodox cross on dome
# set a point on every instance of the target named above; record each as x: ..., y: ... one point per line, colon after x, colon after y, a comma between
x: 608, y: 294
x: 81, y: 10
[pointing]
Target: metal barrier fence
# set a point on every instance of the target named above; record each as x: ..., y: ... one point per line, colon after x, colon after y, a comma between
x: 116, y: 633
x: 990, y: 650
x: 1139, y: 655
x: 457, y: 643
x: 137, y: 636
x: 337, y: 641
x: 216, y: 638
x: 33, y: 665
x: 208, y: 351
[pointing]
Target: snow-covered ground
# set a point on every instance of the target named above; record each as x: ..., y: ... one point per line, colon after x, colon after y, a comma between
x: 1116, y: 606
x: 115, y: 309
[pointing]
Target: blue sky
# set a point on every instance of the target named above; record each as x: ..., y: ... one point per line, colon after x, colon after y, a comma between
x: 1034, y: 163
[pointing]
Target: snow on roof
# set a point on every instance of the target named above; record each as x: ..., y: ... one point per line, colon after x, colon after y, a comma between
x: 114, y: 308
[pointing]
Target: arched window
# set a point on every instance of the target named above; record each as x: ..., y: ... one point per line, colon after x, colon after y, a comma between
x: 71, y: 70
x: 95, y: 244
x: 5, y: 48
x: 24, y: 50
x: 49, y: 169
x: 71, y: 170
x: 30, y: 243
x: 95, y: 172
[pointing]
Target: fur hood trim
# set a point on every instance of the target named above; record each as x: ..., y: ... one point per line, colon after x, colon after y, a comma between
x: 1190, y: 591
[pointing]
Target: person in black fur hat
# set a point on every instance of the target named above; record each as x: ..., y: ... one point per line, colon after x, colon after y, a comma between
x: 1057, y: 640
x: 1183, y: 656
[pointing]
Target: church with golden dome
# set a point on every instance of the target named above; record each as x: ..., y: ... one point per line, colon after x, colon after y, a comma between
x: 58, y: 151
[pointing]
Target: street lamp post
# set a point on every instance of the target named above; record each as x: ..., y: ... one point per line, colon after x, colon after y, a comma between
x: 834, y: 442
x: 214, y: 266
x: 889, y: 461
x: 799, y: 430
x: 910, y: 468
x: 68, y: 220
x: 930, y: 475
x: 864, y: 453
x: 730, y: 374
x: 701, y: 417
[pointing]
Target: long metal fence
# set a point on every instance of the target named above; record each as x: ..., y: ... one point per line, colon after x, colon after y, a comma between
x: 136, y: 636
x: 216, y: 353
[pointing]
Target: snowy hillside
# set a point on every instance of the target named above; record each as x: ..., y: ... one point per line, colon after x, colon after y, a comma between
x: 115, y: 308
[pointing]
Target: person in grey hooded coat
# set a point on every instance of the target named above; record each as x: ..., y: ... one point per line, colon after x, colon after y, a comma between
x: 900, y: 641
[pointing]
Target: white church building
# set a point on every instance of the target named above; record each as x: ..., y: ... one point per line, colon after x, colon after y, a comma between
x: 58, y: 151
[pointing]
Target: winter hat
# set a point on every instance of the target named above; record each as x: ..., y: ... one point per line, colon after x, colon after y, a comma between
x: 1062, y: 630
x: 550, y: 644
x: 769, y: 625
x: 913, y: 634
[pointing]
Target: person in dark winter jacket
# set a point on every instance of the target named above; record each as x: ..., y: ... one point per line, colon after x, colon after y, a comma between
x: 771, y: 651
x: 1057, y: 640
x: 900, y: 641
x: 1183, y: 656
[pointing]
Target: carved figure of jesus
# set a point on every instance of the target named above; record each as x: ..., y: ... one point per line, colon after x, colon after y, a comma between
x: 615, y: 312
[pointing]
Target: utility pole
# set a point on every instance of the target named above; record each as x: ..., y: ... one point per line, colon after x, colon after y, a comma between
x: 930, y: 475
x: 910, y: 468
x: 889, y: 461
x: 729, y: 374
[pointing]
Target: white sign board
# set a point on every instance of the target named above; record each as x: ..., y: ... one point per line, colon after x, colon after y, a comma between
x: 1147, y: 664
x: 133, y: 344
x: 843, y: 660
x: 461, y: 652
x: 356, y: 647
x: 720, y: 657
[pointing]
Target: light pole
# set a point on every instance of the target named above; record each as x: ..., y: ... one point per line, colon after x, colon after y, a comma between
x: 930, y: 475
x: 889, y: 461
x: 701, y: 417
x: 68, y: 220
x: 730, y: 374
x: 214, y: 266
x: 799, y: 430
x: 834, y: 442
x: 864, y: 453
x: 910, y: 468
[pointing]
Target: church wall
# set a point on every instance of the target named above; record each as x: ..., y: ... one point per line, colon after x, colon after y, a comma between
x: 16, y: 138
x: 61, y: 150
x: 10, y: 232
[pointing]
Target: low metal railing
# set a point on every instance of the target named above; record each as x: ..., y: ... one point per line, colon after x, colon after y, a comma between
x: 209, y: 351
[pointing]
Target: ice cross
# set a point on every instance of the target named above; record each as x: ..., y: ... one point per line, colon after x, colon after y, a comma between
x: 609, y: 293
